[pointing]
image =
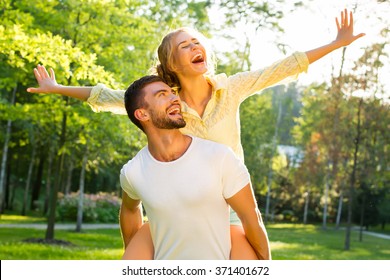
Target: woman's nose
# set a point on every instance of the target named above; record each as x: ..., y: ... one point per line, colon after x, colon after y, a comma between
x: 193, y: 46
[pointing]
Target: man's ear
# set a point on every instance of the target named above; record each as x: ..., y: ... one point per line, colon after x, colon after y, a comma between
x: 141, y: 114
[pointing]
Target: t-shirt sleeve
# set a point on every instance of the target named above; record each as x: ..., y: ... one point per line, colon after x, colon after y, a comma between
x: 127, y: 186
x: 104, y: 99
x: 245, y: 84
x: 235, y: 175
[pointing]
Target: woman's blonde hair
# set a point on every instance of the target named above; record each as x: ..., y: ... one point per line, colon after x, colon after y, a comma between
x: 165, y: 52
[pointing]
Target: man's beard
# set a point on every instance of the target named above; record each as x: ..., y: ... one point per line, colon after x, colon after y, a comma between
x: 164, y: 122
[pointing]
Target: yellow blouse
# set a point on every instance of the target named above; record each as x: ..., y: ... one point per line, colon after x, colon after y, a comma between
x: 220, y: 121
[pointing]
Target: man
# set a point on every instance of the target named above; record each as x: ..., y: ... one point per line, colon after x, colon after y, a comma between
x: 185, y: 183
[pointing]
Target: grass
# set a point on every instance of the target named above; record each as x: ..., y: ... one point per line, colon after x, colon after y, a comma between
x: 103, y: 244
x: 288, y: 242
x: 308, y: 242
x: 17, y: 219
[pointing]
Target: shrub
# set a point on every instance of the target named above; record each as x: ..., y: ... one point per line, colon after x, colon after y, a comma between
x: 289, y: 216
x: 97, y: 208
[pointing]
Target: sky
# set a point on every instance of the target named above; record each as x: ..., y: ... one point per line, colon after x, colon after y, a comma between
x: 312, y: 26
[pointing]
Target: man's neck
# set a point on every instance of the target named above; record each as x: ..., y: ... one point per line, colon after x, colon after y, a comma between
x: 168, y: 145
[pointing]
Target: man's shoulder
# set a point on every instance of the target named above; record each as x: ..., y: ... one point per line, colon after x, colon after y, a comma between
x: 210, y: 145
x: 135, y: 160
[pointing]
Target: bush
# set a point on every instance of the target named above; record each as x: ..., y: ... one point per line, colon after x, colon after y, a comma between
x: 97, y: 208
x: 288, y: 216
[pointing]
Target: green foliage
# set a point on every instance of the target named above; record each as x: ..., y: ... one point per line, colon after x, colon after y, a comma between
x: 97, y: 208
x: 262, y: 13
x: 328, y: 130
x: 257, y: 127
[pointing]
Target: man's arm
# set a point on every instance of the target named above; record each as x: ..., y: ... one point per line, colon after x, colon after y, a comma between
x: 48, y: 84
x: 130, y: 217
x: 245, y: 205
x: 344, y: 38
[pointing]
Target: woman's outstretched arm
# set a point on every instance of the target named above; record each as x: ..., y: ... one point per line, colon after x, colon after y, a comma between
x: 48, y: 84
x: 344, y: 37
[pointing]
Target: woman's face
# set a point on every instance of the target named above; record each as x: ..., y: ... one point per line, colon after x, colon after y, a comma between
x: 189, y: 55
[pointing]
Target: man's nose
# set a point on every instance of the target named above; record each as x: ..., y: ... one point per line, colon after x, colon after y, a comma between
x: 174, y: 98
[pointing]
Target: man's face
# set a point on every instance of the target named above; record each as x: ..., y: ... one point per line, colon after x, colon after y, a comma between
x: 163, y: 106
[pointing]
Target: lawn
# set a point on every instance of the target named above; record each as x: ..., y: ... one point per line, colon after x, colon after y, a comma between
x: 308, y: 242
x: 288, y: 242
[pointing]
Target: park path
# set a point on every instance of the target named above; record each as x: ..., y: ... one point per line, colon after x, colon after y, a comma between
x: 116, y: 226
x: 380, y: 235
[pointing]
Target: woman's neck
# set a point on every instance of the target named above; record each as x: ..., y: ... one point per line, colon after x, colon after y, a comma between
x: 196, y: 92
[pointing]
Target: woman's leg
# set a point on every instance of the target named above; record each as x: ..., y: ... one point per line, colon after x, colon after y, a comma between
x: 141, y: 245
x: 241, y: 248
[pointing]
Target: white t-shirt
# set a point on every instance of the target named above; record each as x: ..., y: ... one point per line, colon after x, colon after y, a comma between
x: 185, y: 199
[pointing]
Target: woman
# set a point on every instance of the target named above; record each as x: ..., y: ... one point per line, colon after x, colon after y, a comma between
x: 210, y: 102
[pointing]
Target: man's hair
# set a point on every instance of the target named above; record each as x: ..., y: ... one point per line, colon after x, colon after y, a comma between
x: 134, y: 97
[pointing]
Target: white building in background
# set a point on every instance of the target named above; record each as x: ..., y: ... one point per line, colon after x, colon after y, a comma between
x: 293, y: 154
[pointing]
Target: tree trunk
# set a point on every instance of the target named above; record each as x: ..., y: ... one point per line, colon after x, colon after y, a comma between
x: 325, y: 210
x: 8, y: 185
x: 28, y: 181
x: 38, y: 181
x: 69, y: 176
x: 306, y: 208
x: 48, y: 180
x: 5, y: 153
x: 339, y: 210
x: 14, y: 186
x: 352, y: 184
x: 81, y: 194
x: 362, y: 218
x: 54, y: 195
x: 268, y: 197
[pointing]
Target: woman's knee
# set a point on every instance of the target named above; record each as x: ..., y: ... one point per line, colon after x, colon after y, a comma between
x: 141, y: 245
x: 241, y: 248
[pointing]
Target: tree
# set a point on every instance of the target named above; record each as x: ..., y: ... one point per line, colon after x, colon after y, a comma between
x: 5, y: 155
x: 23, y: 51
x: 257, y: 129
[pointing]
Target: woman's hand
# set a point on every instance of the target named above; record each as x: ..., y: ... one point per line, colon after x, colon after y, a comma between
x: 345, y: 30
x: 47, y: 83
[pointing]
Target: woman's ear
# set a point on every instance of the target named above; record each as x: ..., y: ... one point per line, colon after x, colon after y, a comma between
x: 141, y: 114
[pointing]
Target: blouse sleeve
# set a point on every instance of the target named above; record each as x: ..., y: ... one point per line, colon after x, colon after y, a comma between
x: 245, y: 84
x: 104, y: 99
